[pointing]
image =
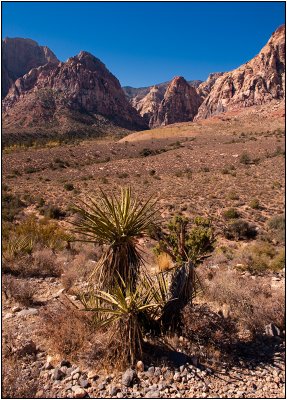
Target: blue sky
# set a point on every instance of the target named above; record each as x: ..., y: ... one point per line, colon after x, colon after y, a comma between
x: 147, y: 43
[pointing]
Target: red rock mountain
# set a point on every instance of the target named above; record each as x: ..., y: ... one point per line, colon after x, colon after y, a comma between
x: 19, y: 56
x: 166, y: 104
x: 53, y: 95
x: 180, y: 103
x: 257, y: 82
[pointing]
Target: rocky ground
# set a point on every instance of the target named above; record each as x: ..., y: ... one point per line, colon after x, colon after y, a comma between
x: 256, y: 370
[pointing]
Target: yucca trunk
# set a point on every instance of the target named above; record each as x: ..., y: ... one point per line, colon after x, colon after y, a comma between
x: 181, y: 291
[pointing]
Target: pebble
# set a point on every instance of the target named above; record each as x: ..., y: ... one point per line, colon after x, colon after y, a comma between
x: 29, y: 311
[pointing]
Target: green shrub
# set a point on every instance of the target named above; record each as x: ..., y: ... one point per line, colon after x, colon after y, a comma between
x: 69, y: 187
x: 184, y: 244
x: 279, y: 261
x: 255, y: 204
x: 123, y: 175
x: 205, y: 169
x: 30, y: 170
x: 231, y: 213
x: 277, y: 222
x: 233, y: 196
x: 11, y: 206
x: 240, y: 230
x: 245, y: 158
x: 31, y: 233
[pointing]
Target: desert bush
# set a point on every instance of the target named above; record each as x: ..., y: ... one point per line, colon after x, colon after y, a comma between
x: 20, y: 290
x: 123, y: 175
x: 276, y: 226
x: 19, y: 242
x: 11, y: 206
x: 252, y: 302
x: 240, y: 230
x: 53, y: 212
x: 231, y: 213
x: 255, y: 204
x: 66, y: 329
x: 69, y: 187
x: 44, y: 264
x: 209, y: 333
x: 20, y: 379
x: 164, y: 262
x: 233, y: 196
x: 245, y: 158
x: 279, y: 261
x: 182, y: 244
x: 262, y: 256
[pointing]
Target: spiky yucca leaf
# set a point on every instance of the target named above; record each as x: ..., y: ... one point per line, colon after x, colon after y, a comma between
x: 124, y: 312
x: 118, y: 223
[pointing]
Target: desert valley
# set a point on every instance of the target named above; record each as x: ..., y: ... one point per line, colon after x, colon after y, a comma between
x: 143, y: 229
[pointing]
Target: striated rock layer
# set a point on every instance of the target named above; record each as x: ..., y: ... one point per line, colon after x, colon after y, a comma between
x: 81, y: 89
x: 257, y: 82
x: 19, y: 56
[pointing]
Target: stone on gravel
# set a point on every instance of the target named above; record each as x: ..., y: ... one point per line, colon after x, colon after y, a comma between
x: 83, y: 383
x: 140, y: 366
x: 79, y: 393
x: 29, y: 311
x: 57, y: 374
x: 113, y: 390
x: 128, y: 377
x: 153, y: 395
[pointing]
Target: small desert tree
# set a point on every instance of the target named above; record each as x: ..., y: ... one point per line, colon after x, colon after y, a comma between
x: 186, y: 247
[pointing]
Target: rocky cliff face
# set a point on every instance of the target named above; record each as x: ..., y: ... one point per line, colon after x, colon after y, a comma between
x: 205, y: 87
x: 19, y: 56
x: 257, y: 82
x: 148, y: 106
x: 180, y: 103
x: 81, y: 86
x: 174, y: 101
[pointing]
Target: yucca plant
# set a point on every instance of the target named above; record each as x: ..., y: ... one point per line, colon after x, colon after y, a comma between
x: 125, y: 312
x: 117, y: 222
x: 17, y: 246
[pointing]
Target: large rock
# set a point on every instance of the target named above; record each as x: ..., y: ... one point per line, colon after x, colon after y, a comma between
x: 257, y: 82
x: 19, y: 56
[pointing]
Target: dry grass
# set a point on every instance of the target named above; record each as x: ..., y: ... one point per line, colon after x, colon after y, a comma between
x: 252, y: 302
x: 41, y: 263
x: 20, y: 379
x: 19, y: 290
x: 67, y: 330
x: 164, y: 262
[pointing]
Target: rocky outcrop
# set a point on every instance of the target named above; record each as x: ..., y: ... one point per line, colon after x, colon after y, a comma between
x: 205, y: 87
x: 19, y: 56
x: 134, y: 95
x: 149, y: 105
x: 81, y: 87
x: 166, y: 103
x: 180, y: 103
x: 257, y: 82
